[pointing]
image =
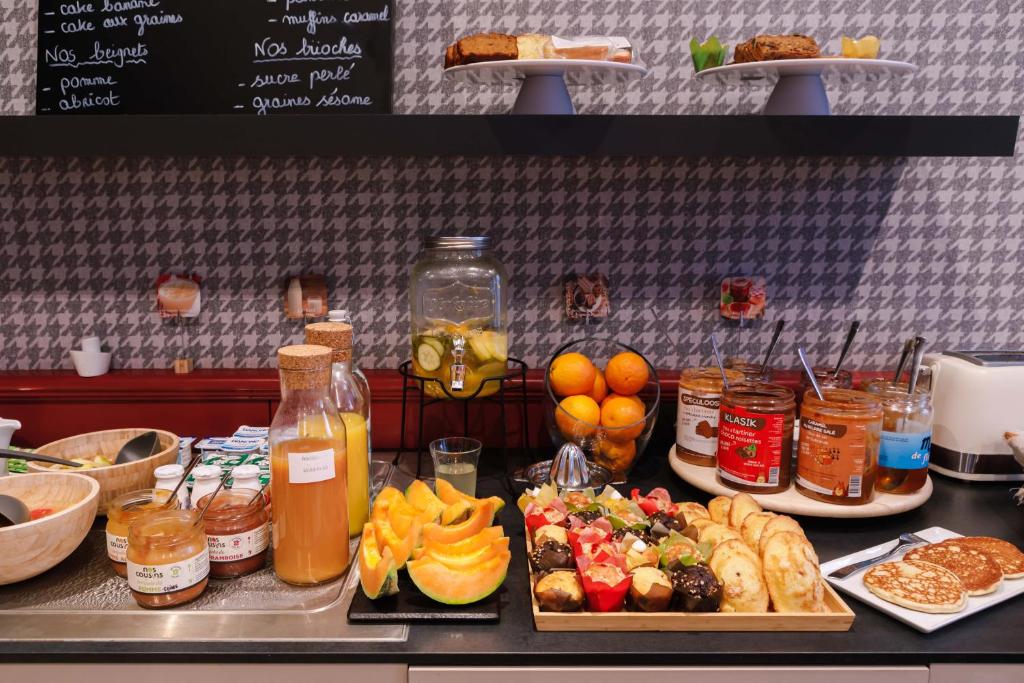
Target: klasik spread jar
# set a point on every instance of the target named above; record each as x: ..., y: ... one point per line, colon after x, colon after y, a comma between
x: 755, y: 438
x: 168, y: 559
x: 237, y: 532
x: 838, y: 452
x: 700, y: 396
x: 124, y: 510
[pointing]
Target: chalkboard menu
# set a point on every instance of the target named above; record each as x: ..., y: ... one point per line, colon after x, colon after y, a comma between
x: 214, y: 56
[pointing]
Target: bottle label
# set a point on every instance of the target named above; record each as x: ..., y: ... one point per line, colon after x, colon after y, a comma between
x: 117, y: 547
x: 697, y: 422
x: 833, y: 457
x: 155, y: 579
x: 234, y: 547
x: 750, y: 446
x: 309, y: 468
x: 905, y: 451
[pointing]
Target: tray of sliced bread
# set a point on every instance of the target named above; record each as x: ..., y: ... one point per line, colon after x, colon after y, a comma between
x: 607, y: 562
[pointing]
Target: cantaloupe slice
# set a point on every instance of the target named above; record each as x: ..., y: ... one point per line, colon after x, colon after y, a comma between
x: 401, y: 515
x: 478, y: 521
x: 378, y: 574
x: 401, y: 546
x: 462, y: 561
x: 459, y: 586
x: 421, y: 497
x: 387, y: 497
x: 457, y: 512
x: 468, y: 546
x: 451, y: 495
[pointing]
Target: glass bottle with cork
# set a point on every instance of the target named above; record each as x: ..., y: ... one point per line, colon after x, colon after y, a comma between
x: 308, y: 471
x: 352, y: 399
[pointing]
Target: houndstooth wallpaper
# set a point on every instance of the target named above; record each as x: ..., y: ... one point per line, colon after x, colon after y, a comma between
x: 930, y: 246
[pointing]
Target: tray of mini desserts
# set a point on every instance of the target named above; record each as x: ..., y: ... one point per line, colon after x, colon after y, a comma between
x: 603, y: 561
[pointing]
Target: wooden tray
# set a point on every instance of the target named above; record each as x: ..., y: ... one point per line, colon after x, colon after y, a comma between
x: 838, y: 618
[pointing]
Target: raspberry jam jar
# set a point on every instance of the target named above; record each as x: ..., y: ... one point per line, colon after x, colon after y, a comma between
x: 237, y: 532
x: 755, y: 438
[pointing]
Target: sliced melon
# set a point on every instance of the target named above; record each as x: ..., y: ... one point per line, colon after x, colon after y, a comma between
x: 459, y: 586
x: 387, y: 497
x: 420, y: 496
x: 459, y: 511
x: 481, y: 518
x: 378, y: 574
x: 462, y: 561
x: 402, y: 514
x: 451, y: 495
x: 468, y: 546
x: 401, y: 546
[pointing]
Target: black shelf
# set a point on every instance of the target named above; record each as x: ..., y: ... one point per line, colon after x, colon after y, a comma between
x: 499, y: 135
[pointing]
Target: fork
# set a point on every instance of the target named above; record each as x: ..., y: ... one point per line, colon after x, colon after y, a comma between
x: 906, y: 541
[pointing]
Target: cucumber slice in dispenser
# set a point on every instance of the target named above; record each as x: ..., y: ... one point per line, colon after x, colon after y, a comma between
x: 428, y: 357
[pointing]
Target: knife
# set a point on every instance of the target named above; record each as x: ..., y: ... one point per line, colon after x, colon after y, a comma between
x: 906, y: 541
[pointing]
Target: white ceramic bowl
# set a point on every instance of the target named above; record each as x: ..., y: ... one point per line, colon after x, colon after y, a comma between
x: 90, y: 364
x: 32, y: 548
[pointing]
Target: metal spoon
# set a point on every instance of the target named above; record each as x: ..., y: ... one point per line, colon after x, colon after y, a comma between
x: 846, y: 346
x: 38, y: 457
x: 13, y: 511
x: 908, y: 348
x: 771, y: 346
x: 915, y: 366
x: 718, y: 359
x: 810, y: 373
x: 213, y: 495
x: 184, y: 476
x: 139, y: 448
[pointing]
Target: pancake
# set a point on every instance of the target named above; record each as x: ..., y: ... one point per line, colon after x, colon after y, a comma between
x: 1008, y: 556
x: 920, y: 586
x: 977, y: 571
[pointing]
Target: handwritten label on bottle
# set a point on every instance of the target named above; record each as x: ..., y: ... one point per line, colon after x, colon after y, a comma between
x: 311, y: 467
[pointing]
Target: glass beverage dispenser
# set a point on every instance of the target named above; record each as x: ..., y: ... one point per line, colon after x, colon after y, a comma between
x: 458, y: 296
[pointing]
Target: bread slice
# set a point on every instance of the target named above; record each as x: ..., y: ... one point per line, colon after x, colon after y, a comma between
x: 752, y: 527
x: 743, y: 504
x: 532, y: 45
x: 775, y: 525
x: 718, y: 508
x: 916, y: 585
x: 791, y: 574
x: 1008, y: 556
x: 977, y: 571
x: 739, y: 570
x: 485, y: 47
x: 764, y: 48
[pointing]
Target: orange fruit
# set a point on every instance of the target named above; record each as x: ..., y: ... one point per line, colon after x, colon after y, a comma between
x: 576, y: 417
x: 600, y: 388
x: 622, y: 417
x: 617, y: 457
x: 572, y: 374
x: 635, y: 399
x: 627, y: 373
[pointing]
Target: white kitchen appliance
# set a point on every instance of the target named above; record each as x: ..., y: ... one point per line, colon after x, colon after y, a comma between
x: 978, y: 397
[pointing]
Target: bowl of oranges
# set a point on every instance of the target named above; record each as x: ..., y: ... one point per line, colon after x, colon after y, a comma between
x: 603, y: 396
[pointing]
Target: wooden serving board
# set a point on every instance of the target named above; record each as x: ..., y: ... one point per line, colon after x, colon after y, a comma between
x: 838, y: 618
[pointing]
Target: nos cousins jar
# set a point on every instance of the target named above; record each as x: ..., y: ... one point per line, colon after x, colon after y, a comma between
x: 168, y: 559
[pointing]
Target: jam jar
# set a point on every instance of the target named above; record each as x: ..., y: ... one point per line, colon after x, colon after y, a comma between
x: 752, y: 372
x: 837, y: 459
x: 700, y: 397
x: 237, y: 532
x: 168, y: 558
x: 124, y: 510
x: 906, y: 437
x: 459, y: 297
x: 755, y: 438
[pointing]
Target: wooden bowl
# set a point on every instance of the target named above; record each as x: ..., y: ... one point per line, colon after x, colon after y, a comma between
x: 115, y: 479
x: 32, y: 548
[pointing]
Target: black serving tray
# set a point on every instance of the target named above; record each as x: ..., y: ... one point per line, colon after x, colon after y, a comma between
x: 409, y: 605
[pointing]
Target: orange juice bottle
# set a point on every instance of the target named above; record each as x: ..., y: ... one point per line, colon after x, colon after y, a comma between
x: 308, y: 472
x: 351, y: 396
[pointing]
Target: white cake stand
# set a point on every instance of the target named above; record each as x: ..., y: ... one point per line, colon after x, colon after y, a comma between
x: 799, y: 89
x: 543, y: 81
x: 792, y: 502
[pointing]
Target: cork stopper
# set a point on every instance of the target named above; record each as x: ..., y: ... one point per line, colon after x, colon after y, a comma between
x: 336, y: 336
x: 304, y: 366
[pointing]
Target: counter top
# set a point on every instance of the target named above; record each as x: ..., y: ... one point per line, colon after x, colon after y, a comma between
x: 875, y: 639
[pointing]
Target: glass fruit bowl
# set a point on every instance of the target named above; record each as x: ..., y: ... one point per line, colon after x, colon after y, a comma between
x: 603, y: 396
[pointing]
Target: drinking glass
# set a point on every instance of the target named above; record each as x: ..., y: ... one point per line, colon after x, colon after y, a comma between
x: 455, y: 461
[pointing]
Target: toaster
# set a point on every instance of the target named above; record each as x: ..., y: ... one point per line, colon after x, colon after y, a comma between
x: 977, y: 396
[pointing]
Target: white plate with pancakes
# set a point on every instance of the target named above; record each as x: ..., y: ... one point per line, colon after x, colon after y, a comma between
x: 926, y: 622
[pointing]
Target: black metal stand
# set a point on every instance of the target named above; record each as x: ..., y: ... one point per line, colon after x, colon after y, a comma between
x: 515, y: 373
